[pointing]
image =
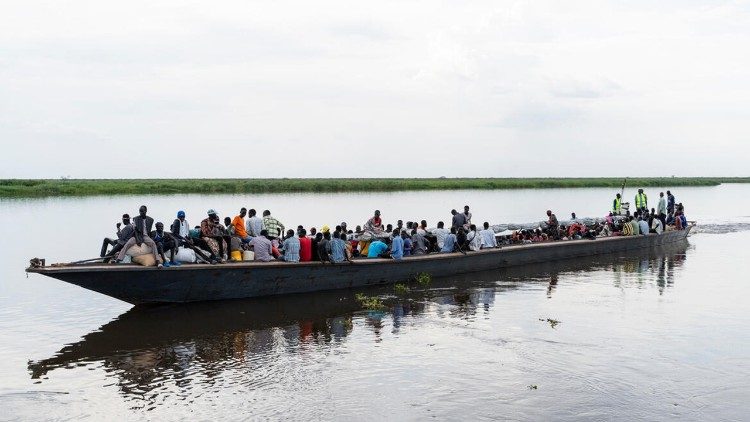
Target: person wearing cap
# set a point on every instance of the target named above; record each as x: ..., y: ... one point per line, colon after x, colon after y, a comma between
x: 273, y: 226
x: 180, y: 227
x: 374, y: 224
x: 213, y: 233
x: 123, y: 235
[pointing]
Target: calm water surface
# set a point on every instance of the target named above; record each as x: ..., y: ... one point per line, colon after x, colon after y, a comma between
x: 650, y: 335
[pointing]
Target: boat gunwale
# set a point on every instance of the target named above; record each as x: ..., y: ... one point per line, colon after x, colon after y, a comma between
x: 106, y: 268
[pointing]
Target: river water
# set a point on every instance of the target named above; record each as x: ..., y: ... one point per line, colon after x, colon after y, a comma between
x: 658, y: 334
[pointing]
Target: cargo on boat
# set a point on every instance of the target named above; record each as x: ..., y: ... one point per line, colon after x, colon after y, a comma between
x: 202, y: 282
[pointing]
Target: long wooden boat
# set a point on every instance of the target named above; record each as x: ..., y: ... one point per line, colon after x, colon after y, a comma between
x: 165, y: 328
x: 201, y: 282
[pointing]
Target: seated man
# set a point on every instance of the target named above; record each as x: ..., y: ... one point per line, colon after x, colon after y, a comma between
x: 324, y: 245
x: 238, y: 224
x: 377, y: 249
x: 488, y: 237
x: 165, y: 242
x: 181, y: 232
x: 657, y: 226
x: 123, y: 235
x: 375, y: 224
x: 397, y: 245
x: 678, y: 221
x: 305, y: 246
x: 338, y: 249
x: 419, y: 244
x: 215, y: 236
x: 449, y: 244
x: 440, y: 234
x: 407, y: 243
x: 474, y: 238
x: 262, y: 247
x: 627, y: 228
x: 142, y: 225
x: 642, y: 226
x: 291, y: 247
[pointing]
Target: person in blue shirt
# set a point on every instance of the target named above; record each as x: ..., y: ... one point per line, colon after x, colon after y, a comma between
x: 397, y: 245
x: 407, y: 243
x: 450, y: 242
x: 338, y: 249
x: 376, y: 249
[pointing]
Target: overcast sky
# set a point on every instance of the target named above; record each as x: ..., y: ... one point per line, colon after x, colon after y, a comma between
x: 382, y: 89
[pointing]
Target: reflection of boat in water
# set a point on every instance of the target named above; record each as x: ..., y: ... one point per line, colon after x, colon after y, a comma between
x: 147, y: 342
x: 202, y: 282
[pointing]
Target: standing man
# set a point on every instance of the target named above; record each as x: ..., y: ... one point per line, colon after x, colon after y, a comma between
x: 617, y: 205
x: 273, y: 226
x: 661, y: 210
x: 254, y: 224
x: 552, y: 225
x: 670, y: 204
x: 458, y: 220
x: 641, y: 201
x: 239, y: 226
x: 467, y: 215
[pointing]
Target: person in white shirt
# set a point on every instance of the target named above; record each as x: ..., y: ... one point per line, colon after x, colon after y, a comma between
x: 657, y: 226
x: 254, y: 224
x: 488, y: 237
x: 643, y: 225
x: 440, y: 234
x: 474, y: 239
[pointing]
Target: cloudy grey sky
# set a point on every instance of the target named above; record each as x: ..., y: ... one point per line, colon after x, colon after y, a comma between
x: 386, y: 89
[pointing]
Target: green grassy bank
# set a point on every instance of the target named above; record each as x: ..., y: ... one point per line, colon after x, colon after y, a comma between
x: 79, y: 187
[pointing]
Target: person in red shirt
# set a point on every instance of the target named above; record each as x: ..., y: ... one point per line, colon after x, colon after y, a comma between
x: 305, y: 246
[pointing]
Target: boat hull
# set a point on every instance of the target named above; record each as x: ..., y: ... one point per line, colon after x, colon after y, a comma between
x: 199, y: 282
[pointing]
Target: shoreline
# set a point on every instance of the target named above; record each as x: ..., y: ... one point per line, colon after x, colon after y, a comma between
x: 36, y: 188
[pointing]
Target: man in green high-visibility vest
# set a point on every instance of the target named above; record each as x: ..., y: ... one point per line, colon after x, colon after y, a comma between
x: 617, y: 205
x: 641, y: 201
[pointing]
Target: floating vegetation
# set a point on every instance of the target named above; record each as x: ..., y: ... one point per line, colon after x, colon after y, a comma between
x: 423, y: 279
x: 532, y: 387
x: 552, y: 322
x: 372, y: 303
x: 401, y: 289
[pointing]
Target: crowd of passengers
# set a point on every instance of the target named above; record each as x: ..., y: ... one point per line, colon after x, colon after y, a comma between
x: 268, y: 239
